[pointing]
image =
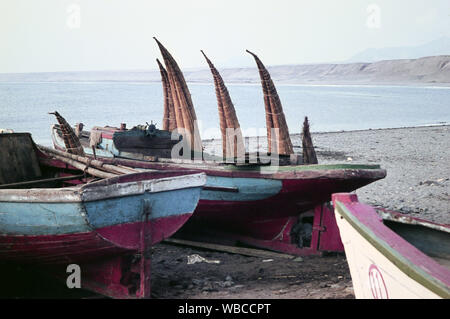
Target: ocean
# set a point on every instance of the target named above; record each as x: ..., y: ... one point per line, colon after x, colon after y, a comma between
x: 24, y: 106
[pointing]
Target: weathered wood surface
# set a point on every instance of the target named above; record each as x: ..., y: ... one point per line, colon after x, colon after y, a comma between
x: 230, y: 249
x: 382, y: 263
x: 42, y: 181
x: 18, y: 161
x: 114, y: 169
x: 79, y: 165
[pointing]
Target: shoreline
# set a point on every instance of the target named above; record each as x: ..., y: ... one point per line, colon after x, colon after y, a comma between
x: 208, y: 140
x: 438, y: 85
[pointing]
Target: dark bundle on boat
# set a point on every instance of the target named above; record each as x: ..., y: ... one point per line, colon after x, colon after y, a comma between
x: 71, y: 140
x: 184, y: 108
x: 274, y: 113
x: 232, y: 141
x: 169, y: 119
x: 309, y: 154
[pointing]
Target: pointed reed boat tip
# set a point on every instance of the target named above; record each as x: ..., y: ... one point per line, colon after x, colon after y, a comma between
x: 248, y: 51
x: 204, y: 55
x: 157, y: 42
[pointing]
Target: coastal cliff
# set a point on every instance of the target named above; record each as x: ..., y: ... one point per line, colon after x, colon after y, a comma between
x: 433, y: 70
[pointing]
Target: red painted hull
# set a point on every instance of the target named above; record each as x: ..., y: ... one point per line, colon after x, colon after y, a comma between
x: 82, y: 247
x: 277, y: 234
x: 270, y: 223
x: 248, y: 217
x: 109, y: 258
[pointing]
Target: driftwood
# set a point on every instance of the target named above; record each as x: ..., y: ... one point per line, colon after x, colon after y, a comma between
x: 184, y: 108
x: 309, y: 153
x: 230, y: 249
x: 87, y: 162
x: 83, y: 167
x: 71, y: 140
x: 274, y: 113
x: 232, y: 141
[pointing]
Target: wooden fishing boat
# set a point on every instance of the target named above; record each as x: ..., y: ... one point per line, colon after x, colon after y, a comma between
x: 120, y: 141
x: 279, y: 208
x: 392, y: 255
x: 53, y: 215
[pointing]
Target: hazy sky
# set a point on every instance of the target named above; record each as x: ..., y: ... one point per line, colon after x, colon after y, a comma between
x: 72, y: 35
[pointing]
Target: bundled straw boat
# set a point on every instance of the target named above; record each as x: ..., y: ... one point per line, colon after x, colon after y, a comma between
x: 278, y: 208
x: 57, y: 209
x: 392, y: 255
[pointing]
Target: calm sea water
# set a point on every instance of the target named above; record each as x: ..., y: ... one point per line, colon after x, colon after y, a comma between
x: 24, y: 107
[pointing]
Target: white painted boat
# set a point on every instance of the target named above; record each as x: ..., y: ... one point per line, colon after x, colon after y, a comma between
x: 392, y: 255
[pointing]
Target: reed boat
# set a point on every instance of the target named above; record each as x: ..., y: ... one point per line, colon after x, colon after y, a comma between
x: 276, y: 205
x: 279, y: 208
x: 53, y: 215
x: 393, y: 255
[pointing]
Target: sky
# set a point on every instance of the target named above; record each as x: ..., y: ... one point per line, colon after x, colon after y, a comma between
x: 81, y: 35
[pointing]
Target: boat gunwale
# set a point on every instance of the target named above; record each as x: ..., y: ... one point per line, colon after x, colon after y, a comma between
x: 102, y: 190
x: 338, y: 170
x: 434, y: 276
x: 408, y: 220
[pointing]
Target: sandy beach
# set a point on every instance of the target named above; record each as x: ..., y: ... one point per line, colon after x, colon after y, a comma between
x: 417, y: 161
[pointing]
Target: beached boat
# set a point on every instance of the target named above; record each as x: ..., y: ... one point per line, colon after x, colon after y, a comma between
x: 265, y: 200
x: 279, y: 208
x: 392, y: 255
x: 120, y: 141
x: 53, y: 215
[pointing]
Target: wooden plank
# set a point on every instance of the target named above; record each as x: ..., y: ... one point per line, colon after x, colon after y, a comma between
x: 55, y: 179
x: 230, y: 249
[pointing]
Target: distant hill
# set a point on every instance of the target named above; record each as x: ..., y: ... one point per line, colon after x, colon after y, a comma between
x: 433, y: 70
x: 437, y: 47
